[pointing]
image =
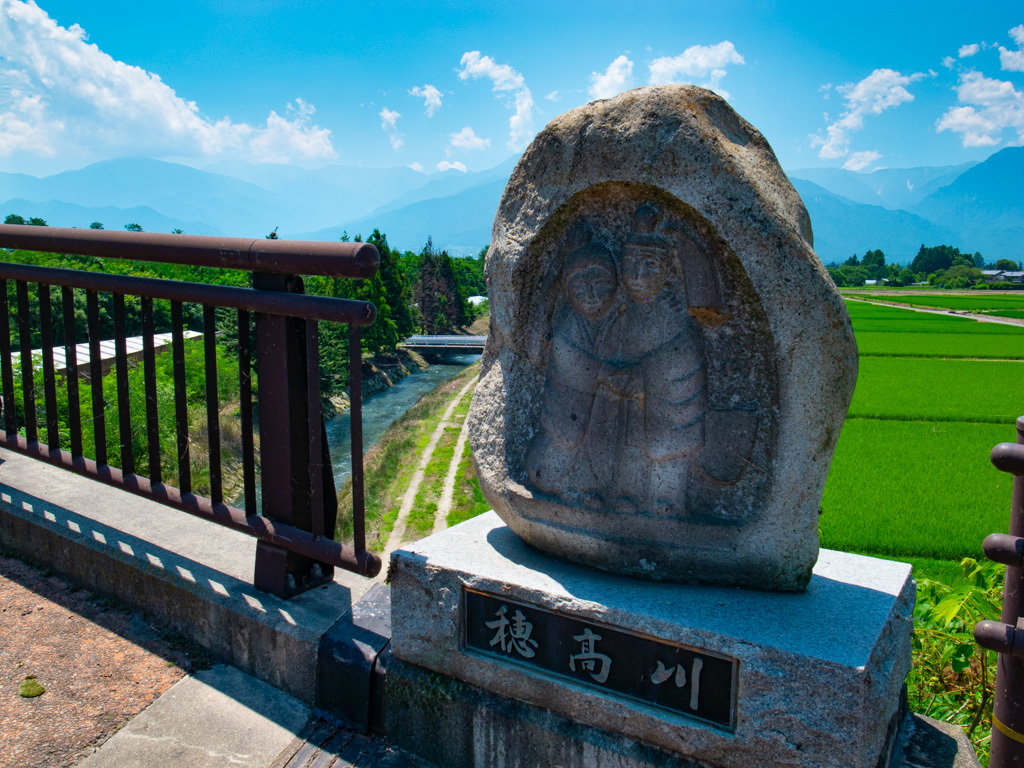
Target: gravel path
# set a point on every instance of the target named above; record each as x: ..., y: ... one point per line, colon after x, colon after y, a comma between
x: 100, y: 667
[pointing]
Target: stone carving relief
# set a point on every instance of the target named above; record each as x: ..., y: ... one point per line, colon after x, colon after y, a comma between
x: 627, y: 420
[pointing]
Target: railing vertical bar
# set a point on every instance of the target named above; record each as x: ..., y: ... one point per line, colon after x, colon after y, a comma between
x: 245, y: 406
x: 49, y: 377
x: 124, y: 413
x: 180, y: 405
x: 149, y: 382
x: 71, y: 370
x: 92, y: 314
x: 316, y: 453
x: 212, y: 408
x: 355, y: 386
x: 6, y: 364
x: 28, y: 383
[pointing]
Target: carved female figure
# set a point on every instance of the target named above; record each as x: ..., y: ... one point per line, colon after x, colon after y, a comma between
x: 556, y: 461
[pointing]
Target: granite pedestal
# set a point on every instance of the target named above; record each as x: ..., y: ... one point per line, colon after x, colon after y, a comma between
x: 644, y: 673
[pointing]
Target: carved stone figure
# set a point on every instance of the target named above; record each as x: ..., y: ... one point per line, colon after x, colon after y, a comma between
x: 669, y: 364
x: 557, y: 461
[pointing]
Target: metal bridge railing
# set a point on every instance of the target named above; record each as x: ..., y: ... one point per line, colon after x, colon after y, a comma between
x: 1007, y: 635
x: 295, y: 549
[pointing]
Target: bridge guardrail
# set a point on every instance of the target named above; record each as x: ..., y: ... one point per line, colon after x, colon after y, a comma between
x: 295, y: 549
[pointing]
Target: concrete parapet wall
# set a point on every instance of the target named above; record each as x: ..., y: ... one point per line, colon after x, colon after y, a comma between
x: 177, y: 570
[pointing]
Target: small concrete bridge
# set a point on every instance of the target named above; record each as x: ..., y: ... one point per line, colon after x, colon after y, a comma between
x: 446, y: 345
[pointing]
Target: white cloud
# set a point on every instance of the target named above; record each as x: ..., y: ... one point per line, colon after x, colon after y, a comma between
x: 553, y: 96
x: 389, y: 119
x: 860, y: 160
x: 881, y: 90
x: 504, y: 78
x: 616, y: 79
x: 1013, y: 61
x: 60, y: 95
x: 416, y: 167
x: 431, y: 98
x: 991, y: 106
x: 948, y: 62
x: 467, y: 139
x: 502, y: 75
x: 444, y: 165
x: 389, y: 124
x: 968, y: 50
x: 699, y: 64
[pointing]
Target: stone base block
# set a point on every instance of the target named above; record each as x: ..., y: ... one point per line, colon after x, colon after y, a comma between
x: 709, y: 676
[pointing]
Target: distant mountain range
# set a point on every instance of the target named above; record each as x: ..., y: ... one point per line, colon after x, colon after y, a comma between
x: 974, y: 206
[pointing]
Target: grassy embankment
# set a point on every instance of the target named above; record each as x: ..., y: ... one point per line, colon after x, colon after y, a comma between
x: 911, y: 477
x: 391, y: 463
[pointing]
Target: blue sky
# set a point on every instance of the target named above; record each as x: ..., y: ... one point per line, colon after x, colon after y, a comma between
x: 437, y: 85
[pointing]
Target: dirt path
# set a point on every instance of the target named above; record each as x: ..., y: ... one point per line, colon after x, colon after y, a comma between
x: 980, y: 318
x: 401, y: 522
x: 444, y: 506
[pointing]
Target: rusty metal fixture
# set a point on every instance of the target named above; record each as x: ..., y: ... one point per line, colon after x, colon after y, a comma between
x: 295, y: 550
x: 1006, y: 637
x: 285, y: 257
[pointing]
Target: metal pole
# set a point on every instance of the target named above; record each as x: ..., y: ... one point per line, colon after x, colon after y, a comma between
x: 1007, y: 636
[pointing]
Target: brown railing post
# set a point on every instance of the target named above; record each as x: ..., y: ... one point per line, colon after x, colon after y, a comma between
x: 1007, y: 636
x: 284, y: 419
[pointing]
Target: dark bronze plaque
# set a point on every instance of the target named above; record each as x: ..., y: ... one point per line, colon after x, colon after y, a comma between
x: 685, y: 680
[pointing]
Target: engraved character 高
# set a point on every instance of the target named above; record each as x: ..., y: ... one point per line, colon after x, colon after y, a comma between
x: 597, y: 664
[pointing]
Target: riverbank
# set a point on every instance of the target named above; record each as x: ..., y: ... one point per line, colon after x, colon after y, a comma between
x: 380, y: 372
x: 426, y: 440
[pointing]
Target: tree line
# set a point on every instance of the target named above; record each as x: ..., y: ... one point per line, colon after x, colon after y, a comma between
x: 939, y: 266
x: 414, y: 292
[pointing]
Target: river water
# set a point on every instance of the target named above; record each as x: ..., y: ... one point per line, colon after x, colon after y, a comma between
x: 379, y: 412
x: 383, y: 409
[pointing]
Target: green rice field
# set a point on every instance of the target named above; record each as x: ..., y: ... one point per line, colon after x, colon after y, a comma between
x: 911, y: 477
x: 975, y: 301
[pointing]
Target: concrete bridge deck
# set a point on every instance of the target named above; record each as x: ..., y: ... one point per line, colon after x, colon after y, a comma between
x: 446, y: 345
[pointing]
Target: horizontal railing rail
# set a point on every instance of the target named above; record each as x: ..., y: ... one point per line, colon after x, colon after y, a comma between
x: 283, y: 257
x: 295, y: 532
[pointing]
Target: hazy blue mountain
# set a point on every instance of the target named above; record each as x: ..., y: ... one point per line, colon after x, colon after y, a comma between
x: 986, y: 204
x: 451, y: 183
x: 843, y: 227
x: 177, y: 191
x: 888, y: 187
x: 329, y: 194
x: 58, y: 214
x: 459, y: 223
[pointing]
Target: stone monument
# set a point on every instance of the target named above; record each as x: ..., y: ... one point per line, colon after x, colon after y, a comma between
x: 668, y: 365
x: 667, y: 371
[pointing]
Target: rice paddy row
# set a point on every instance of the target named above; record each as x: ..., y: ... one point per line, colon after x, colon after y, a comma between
x: 979, y: 301
x: 911, y: 477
